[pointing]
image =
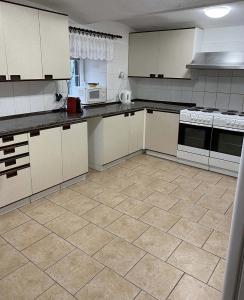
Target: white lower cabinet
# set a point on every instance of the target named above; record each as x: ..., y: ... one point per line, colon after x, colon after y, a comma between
x: 136, y: 131
x: 45, y: 158
x: 74, y: 150
x: 162, y: 132
x: 15, y: 185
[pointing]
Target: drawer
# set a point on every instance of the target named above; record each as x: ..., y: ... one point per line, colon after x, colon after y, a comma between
x: 13, y: 139
x: 13, y: 150
x: 15, y: 185
x: 14, y: 163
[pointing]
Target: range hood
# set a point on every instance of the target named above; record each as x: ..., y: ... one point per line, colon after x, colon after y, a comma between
x: 218, y: 60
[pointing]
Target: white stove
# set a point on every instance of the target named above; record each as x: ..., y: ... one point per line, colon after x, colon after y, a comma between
x: 211, y: 139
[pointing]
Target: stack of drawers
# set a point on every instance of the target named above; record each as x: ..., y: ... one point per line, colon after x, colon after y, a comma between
x: 15, y: 179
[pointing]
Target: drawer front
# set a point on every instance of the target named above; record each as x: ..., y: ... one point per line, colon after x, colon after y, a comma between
x: 13, y: 151
x: 13, y: 139
x: 14, y: 163
x: 15, y: 186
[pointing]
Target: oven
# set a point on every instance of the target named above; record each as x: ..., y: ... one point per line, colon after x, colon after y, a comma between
x: 194, y: 142
x: 226, y: 148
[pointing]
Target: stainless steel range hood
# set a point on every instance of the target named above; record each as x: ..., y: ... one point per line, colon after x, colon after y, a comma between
x: 218, y: 60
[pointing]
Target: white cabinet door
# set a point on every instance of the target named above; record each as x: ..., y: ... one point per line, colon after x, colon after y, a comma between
x: 162, y: 132
x: 45, y: 158
x: 136, y: 131
x: 22, y: 40
x: 143, y: 54
x: 175, y: 52
x: 15, y: 185
x: 3, y: 61
x: 115, y: 137
x: 74, y: 150
x: 54, y: 45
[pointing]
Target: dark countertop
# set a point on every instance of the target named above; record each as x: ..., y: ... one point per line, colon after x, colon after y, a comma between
x: 28, y: 122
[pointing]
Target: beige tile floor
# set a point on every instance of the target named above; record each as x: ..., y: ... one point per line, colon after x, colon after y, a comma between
x: 145, y: 229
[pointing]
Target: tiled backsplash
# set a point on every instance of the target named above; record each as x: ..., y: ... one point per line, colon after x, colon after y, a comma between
x: 221, y: 89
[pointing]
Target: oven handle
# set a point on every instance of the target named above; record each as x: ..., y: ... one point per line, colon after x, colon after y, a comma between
x: 194, y: 124
x: 228, y: 129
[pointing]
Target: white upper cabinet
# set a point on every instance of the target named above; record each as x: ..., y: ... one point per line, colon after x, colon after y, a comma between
x: 54, y: 45
x: 3, y: 61
x: 22, y: 41
x: 143, y: 54
x: 163, y: 53
x: 176, y: 49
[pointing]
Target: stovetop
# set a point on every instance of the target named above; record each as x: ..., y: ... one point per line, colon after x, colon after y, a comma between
x: 215, y: 110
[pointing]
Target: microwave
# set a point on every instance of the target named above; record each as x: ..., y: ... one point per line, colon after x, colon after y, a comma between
x: 90, y: 95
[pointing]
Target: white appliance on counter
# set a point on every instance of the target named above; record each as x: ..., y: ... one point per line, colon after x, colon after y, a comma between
x: 90, y: 95
x: 211, y: 139
x: 125, y: 96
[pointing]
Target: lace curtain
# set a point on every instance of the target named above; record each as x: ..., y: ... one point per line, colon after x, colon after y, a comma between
x: 91, y: 47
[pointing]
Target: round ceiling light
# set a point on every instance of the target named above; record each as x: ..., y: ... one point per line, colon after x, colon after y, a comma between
x: 217, y: 11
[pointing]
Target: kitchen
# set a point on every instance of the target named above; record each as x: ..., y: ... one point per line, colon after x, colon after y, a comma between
x: 120, y: 150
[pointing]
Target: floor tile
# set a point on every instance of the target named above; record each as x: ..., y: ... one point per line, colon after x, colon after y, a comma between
x: 119, y: 171
x: 133, y: 208
x: 188, y: 210
x: 163, y: 186
x: 44, y: 212
x: 160, y: 219
x: 108, y: 285
x: 127, y: 228
x: 66, y: 224
x: 119, y: 255
x: 141, y: 179
x: 157, y: 243
x: 191, y: 232
x: 56, y: 292
x: 110, y: 198
x: 11, y: 220
x: 216, y: 221
x: 138, y: 191
x: 181, y: 194
x: 26, y: 234
x: 211, y: 189
x: 187, y: 183
x: 11, y: 260
x: 80, y: 205
x: 144, y: 296
x: 62, y: 196
x: 209, y: 177
x: 166, y: 175
x: 217, y: 244
x: 87, y: 188
x: 145, y: 169
x: 217, y: 279
x: 74, y: 271
x: 48, y: 251
x: 26, y: 283
x: 154, y: 276
x: 194, y: 261
x: 191, y: 289
x: 161, y: 200
x: 90, y: 239
x: 118, y: 184
x: 102, y: 215
x: 215, y: 203
x: 2, y: 242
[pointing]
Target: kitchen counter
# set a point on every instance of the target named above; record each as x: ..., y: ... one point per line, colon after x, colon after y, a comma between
x: 28, y: 122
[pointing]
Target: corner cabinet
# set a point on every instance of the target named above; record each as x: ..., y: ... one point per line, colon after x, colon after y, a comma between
x: 163, y: 53
x: 54, y: 33
x: 162, y: 132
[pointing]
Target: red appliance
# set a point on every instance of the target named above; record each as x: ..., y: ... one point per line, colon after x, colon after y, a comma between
x: 73, y: 105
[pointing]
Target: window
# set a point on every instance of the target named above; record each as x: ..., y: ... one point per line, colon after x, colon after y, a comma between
x: 75, y: 72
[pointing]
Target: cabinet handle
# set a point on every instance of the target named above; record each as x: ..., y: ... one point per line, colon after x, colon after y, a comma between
x: 152, y: 75
x: 12, y: 174
x: 126, y: 115
x: 132, y: 114
x: 149, y: 111
x: 7, y: 139
x: 15, y: 77
x: 3, y: 78
x: 66, y: 127
x: 48, y: 77
x: 8, y: 151
x: 34, y: 133
x: 160, y: 75
x: 10, y: 162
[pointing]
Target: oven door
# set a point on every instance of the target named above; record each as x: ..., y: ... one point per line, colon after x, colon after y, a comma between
x: 194, y: 139
x: 226, y: 144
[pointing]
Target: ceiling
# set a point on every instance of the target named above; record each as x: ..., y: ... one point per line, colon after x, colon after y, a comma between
x: 139, y: 14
